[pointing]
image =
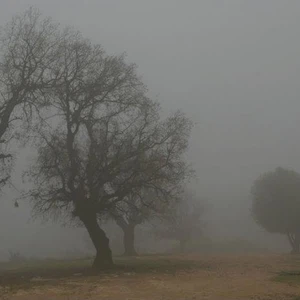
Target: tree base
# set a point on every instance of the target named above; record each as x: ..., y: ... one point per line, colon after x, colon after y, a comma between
x: 102, y: 263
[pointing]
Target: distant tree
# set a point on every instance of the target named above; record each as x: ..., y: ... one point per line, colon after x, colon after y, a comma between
x: 136, y: 209
x: 28, y: 46
x: 104, y: 142
x: 127, y: 218
x: 276, y: 204
x: 15, y: 257
x: 183, y: 222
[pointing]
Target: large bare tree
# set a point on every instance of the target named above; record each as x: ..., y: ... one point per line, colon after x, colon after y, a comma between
x: 104, y: 142
x: 28, y: 48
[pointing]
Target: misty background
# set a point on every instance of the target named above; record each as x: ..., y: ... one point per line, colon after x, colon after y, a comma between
x: 233, y: 66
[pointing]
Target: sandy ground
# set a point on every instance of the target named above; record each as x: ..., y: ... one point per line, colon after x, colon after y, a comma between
x: 230, y: 277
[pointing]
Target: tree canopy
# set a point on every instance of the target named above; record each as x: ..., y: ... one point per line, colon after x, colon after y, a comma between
x: 276, y: 203
x: 28, y: 48
x: 103, y: 141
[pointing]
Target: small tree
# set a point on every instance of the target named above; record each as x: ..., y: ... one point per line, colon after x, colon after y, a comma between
x: 183, y: 221
x: 134, y: 210
x: 276, y: 204
x: 127, y: 215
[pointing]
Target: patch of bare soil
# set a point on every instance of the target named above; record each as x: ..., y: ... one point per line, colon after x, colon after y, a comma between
x: 229, y: 277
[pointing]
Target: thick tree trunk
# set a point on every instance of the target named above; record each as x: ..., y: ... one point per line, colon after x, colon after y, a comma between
x: 294, y: 239
x: 103, y: 259
x: 128, y: 240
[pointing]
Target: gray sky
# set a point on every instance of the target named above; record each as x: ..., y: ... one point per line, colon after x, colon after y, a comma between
x: 233, y: 66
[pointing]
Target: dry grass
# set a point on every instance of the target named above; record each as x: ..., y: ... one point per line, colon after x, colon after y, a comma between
x: 230, y: 277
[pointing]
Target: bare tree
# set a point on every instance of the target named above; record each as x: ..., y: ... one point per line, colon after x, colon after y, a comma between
x: 28, y: 47
x: 104, y: 142
x: 134, y: 210
x: 163, y: 171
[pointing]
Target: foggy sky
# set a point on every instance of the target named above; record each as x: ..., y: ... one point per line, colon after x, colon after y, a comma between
x: 233, y: 66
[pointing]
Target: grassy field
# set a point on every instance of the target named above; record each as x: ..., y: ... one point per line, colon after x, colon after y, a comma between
x: 216, y: 277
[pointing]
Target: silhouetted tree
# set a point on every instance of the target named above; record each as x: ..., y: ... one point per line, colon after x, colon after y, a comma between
x: 183, y: 221
x: 276, y: 204
x: 28, y: 46
x: 136, y: 209
x: 104, y: 142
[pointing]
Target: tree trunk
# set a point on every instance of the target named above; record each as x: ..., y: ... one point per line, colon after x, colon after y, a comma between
x: 103, y: 259
x: 294, y: 239
x: 128, y: 240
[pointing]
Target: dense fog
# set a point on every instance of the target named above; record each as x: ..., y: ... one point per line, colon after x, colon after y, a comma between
x: 232, y: 66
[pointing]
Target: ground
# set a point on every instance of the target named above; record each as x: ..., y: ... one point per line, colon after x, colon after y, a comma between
x: 215, y: 277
